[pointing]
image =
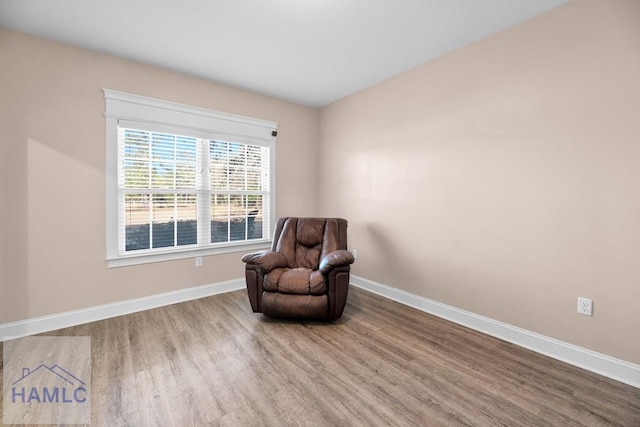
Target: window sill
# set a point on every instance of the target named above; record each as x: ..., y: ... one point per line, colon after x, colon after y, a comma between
x: 150, y: 257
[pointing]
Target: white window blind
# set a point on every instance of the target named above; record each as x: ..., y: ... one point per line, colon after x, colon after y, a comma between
x: 185, y: 188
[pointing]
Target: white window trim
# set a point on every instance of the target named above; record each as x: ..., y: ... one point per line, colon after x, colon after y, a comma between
x: 125, y: 107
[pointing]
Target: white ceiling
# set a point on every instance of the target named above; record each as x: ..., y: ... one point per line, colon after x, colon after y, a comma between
x: 312, y: 52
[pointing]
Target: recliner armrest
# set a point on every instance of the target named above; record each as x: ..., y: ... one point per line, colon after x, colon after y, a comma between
x: 335, y: 259
x: 266, y: 260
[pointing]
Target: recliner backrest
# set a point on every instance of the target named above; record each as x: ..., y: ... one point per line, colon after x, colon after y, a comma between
x: 305, y: 241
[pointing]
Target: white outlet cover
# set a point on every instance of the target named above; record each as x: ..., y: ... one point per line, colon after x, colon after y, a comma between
x: 585, y: 306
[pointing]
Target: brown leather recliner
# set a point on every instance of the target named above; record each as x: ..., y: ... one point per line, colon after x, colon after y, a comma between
x: 306, y: 272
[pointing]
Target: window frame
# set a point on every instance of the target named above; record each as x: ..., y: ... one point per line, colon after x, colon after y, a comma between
x: 128, y: 110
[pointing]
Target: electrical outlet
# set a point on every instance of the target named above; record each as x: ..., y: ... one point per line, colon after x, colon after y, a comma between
x: 585, y: 306
x: 354, y: 252
x: 198, y: 261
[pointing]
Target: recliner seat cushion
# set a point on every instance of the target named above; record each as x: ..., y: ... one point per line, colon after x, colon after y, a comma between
x: 301, y: 281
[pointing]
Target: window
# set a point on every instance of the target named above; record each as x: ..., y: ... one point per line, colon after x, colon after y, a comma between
x: 184, y: 181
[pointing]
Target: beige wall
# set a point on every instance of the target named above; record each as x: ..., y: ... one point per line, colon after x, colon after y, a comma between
x: 52, y: 175
x: 503, y: 178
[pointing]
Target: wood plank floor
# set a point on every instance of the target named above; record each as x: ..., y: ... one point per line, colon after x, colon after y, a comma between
x: 211, y: 362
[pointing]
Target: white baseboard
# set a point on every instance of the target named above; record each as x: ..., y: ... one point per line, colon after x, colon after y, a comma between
x: 42, y: 324
x: 619, y: 370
